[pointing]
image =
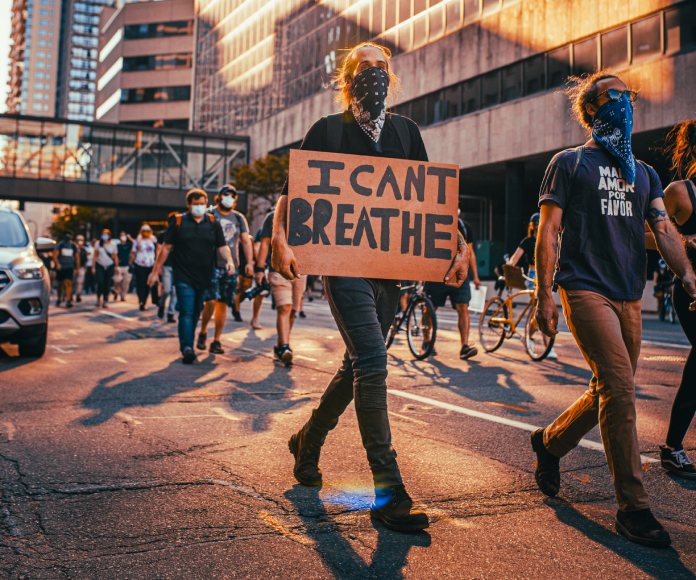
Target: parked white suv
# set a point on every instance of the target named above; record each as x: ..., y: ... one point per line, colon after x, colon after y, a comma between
x: 24, y: 286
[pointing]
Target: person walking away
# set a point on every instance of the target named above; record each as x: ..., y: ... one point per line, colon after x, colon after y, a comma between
x: 259, y: 268
x: 287, y: 294
x: 524, y: 257
x: 142, y: 259
x: 363, y: 308
x: 122, y: 279
x: 104, y: 263
x: 90, y: 282
x: 167, y: 301
x: 193, y: 238
x: 223, y: 285
x: 80, y: 272
x: 459, y: 297
x: 66, y: 257
x: 599, y: 196
x: 680, y: 202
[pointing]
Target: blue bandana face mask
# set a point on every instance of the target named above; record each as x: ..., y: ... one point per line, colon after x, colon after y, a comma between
x: 612, y: 128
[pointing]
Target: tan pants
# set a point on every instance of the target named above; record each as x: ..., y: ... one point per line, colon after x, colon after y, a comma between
x: 608, y: 333
x: 287, y: 291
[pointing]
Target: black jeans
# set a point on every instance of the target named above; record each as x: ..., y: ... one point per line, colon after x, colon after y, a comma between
x: 104, y: 278
x: 684, y: 405
x: 363, y: 309
x: 143, y: 290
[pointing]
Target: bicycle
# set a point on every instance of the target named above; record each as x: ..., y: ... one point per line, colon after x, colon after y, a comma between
x: 421, y: 323
x: 666, y: 308
x: 498, y: 323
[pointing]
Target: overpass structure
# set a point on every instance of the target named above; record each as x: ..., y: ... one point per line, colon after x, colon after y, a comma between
x: 119, y: 166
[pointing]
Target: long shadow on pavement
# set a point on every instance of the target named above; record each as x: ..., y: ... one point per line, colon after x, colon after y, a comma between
x: 388, y: 560
x: 656, y: 563
x: 109, y: 396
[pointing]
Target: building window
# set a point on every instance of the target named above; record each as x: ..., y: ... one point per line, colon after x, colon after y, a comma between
x: 646, y: 37
x: 156, y: 95
x: 450, y: 102
x: 512, y: 81
x: 419, y: 111
x: 615, y: 48
x: 490, y: 6
x: 389, y: 14
x: 471, y: 95
x: 490, y: 88
x: 680, y: 28
x: 159, y: 62
x: 535, y: 74
x: 437, y: 24
x: 559, y: 66
x: 472, y: 9
x: 158, y: 29
x: 404, y: 10
x: 585, y: 56
x: 453, y: 15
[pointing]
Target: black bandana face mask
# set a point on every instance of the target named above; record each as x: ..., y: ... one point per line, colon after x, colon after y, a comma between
x: 369, y: 89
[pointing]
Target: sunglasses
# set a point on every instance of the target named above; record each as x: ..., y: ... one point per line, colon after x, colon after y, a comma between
x: 616, y: 94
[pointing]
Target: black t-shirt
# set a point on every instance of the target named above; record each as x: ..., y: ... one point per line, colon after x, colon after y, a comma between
x: 66, y: 255
x: 194, y: 247
x: 354, y: 141
x: 603, y: 243
x: 527, y: 245
x: 266, y: 231
x: 124, y: 250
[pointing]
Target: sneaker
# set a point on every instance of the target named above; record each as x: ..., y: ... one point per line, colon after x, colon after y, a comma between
x: 393, y: 507
x: 237, y: 316
x: 104, y: 305
x: 78, y: 298
x: 641, y: 527
x: 467, y: 352
x: 68, y: 305
x: 552, y: 354
x: 142, y: 308
x: 58, y: 302
x: 160, y: 311
x: 170, y: 318
x: 189, y: 355
x: 284, y: 354
x: 302, y: 314
x: 216, y: 347
x: 548, y: 472
x: 202, y: 337
x: 676, y: 461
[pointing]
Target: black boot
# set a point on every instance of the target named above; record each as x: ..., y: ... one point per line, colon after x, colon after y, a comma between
x: 394, y: 508
x: 548, y: 471
x: 305, y: 445
x: 641, y: 527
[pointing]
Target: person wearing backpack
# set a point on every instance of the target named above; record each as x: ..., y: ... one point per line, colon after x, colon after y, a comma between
x: 363, y: 308
x: 196, y: 238
x: 598, y: 197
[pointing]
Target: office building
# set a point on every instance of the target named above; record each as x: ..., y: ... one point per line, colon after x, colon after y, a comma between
x: 482, y: 78
x: 33, y: 59
x: 145, y: 64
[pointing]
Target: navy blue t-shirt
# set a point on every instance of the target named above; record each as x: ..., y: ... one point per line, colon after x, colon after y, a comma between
x: 603, y: 243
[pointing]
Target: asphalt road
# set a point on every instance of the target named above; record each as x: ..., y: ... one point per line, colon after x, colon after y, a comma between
x: 118, y: 461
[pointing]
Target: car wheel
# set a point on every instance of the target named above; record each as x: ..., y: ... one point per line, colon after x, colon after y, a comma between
x: 34, y: 348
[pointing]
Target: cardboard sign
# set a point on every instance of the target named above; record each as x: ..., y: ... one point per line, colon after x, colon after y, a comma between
x: 372, y: 217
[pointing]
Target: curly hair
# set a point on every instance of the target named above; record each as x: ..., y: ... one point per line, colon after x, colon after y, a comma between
x: 583, y: 90
x: 344, y: 74
x: 681, y: 143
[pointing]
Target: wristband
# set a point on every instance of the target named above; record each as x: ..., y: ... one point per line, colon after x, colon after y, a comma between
x: 258, y: 270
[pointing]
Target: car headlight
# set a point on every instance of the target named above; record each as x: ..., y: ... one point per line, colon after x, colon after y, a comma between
x: 29, y: 270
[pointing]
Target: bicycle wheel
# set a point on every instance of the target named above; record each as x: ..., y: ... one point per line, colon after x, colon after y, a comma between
x: 393, y: 329
x: 421, y: 328
x: 492, y: 323
x: 536, y: 343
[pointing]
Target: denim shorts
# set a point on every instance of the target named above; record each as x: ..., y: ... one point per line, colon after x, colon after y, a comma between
x: 439, y: 293
x: 222, y: 287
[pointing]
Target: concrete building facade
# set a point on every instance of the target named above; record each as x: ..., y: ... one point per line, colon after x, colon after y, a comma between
x: 484, y: 80
x: 33, y: 59
x: 145, y: 64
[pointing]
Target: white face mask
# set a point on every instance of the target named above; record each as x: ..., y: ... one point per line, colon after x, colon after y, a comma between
x: 198, y: 210
x: 227, y: 201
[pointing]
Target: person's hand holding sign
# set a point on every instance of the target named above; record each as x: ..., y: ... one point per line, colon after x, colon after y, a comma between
x: 456, y: 275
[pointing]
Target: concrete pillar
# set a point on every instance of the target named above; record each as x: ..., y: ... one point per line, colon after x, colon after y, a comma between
x: 514, y: 204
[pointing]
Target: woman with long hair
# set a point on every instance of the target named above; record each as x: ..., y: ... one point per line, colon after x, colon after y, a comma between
x: 680, y: 201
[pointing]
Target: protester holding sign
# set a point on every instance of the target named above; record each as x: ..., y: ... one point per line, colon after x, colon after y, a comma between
x: 362, y: 307
x: 600, y: 196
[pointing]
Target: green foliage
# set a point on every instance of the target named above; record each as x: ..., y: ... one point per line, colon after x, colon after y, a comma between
x: 262, y: 180
x: 81, y: 220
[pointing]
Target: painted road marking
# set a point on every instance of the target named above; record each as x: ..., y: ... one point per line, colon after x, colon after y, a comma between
x: 407, y: 418
x: 495, y: 419
x: 309, y: 358
x: 224, y: 413
x: 60, y: 360
x: 121, y: 360
x: 10, y: 429
x: 282, y: 529
x: 62, y: 349
x: 114, y: 315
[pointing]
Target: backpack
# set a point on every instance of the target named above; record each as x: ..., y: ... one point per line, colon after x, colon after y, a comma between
x: 180, y: 216
x: 334, y: 132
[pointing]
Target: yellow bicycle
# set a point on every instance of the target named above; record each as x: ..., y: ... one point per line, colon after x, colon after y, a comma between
x: 498, y: 321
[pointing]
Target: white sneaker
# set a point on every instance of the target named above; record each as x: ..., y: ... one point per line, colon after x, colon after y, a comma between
x: 552, y: 354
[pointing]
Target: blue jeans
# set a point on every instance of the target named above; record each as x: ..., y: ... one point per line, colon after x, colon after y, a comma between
x: 168, y: 289
x: 189, y: 304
